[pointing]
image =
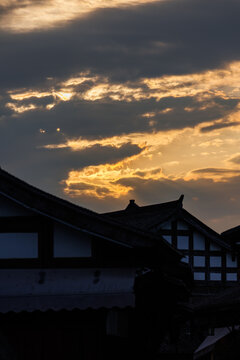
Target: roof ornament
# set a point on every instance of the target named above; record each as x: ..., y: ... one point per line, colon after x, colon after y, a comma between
x: 132, y: 205
x: 181, y: 199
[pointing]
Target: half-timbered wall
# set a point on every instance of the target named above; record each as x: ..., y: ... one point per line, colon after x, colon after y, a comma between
x: 18, y: 245
x: 209, y: 261
x: 70, y: 243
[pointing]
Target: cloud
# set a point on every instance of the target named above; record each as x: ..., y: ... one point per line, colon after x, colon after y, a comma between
x: 235, y: 159
x: 32, y: 15
x: 215, y: 171
x: 129, y: 100
x: 101, y: 43
x: 219, y: 125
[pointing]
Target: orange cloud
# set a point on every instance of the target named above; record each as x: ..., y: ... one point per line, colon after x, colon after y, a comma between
x: 206, y: 85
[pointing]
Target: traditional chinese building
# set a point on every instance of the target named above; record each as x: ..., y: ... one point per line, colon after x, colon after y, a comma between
x: 75, y: 284
x: 212, y: 259
x: 212, y: 314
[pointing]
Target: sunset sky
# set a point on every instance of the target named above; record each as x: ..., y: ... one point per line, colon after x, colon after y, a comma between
x: 102, y: 101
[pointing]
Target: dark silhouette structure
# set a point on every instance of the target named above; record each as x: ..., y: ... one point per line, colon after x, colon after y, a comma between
x: 75, y: 284
x: 214, y: 304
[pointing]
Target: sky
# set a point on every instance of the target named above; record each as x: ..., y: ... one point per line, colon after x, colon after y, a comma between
x: 102, y: 101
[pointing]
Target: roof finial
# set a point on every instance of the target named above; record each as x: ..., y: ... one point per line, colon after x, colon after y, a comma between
x: 181, y: 198
x: 132, y: 205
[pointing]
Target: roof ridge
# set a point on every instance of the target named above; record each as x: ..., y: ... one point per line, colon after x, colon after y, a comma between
x: 44, y: 193
x: 139, y: 208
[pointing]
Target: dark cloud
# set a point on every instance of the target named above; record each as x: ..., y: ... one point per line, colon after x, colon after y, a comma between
x: 6, y: 8
x: 170, y: 37
x: 99, y: 190
x: 198, y: 34
x: 106, y: 117
x: 217, y: 126
x: 216, y: 171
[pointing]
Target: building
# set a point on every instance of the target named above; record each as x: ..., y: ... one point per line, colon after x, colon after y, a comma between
x: 210, y: 326
x: 212, y: 259
x: 75, y: 284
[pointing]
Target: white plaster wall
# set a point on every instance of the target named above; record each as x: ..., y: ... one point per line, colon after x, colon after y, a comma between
x: 231, y: 276
x: 215, y: 261
x: 168, y: 238
x: 166, y: 226
x: 10, y: 208
x: 18, y: 245
x: 230, y: 262
x: 198, y: 241
x: 215, y: 276
x: 182, y: 225
x: 70, y: 243
x: 199, y: 261
x: 185, y: 259
x: 199, y: 276
x: 214, y: 247
x: 183, y: 242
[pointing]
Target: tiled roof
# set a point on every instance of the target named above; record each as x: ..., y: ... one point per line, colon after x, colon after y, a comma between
x: 145, y: 217
x: 73, y: 215
x: 148, y: 217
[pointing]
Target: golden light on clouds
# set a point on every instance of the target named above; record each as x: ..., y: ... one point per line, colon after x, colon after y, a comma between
x: 29, y: 15
x: 142, y: 140
x: 20, y: 108
x: 104, y: 180
x: 203, y: 86
x: 190, y: 153
x: 172, y: 155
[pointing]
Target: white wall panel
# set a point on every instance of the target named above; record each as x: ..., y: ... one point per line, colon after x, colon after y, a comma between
x: 214, y: 247
x: 215, y: 261
x: 231, y: 276
x: 215, y: 276
x: 183, y: 242
x: 198, y: 241
x: 230, y: 262
x: 168, y: 238
x: 199, y: 276
x: 185, y: 259
x: 199, y: 261
x: 182, y: 225
x: 18, y: 245
x: 166, y: 226
x: 70, y: 243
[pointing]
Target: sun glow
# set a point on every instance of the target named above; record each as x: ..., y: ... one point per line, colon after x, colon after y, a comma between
x: 29, y: 15
x: 174, y: 156
x: 105, y: 180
